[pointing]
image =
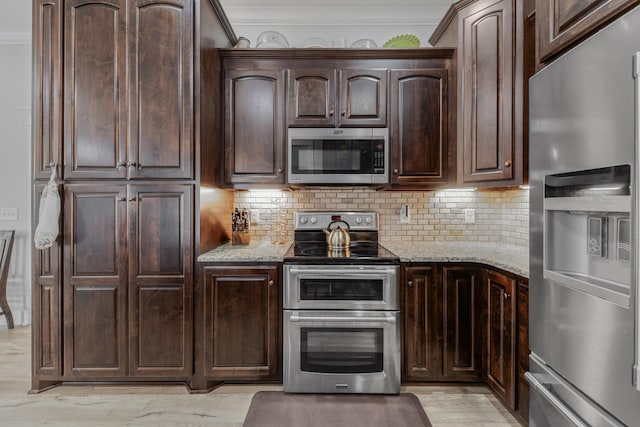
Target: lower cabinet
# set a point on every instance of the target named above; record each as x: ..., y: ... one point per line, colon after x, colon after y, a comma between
x: 242, y: 322
x: 522, y: 318
x: 441, y: 309
x: 127, y: 281
x: 501, y: 339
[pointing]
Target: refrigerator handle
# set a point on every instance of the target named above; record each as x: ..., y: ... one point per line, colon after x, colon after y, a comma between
x: 635, y: 217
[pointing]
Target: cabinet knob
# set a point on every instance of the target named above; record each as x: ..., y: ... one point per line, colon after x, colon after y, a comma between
x: 331, y: 112
x: 122, y: 199
x: 120, y: 164
x: 344, y: 113
x: 507, y: 164
x: 279, y: 171
x: 271, y: 282
x: 131, y: 164
x: 395, y: 171
x: 506, y: 296
x: 410, y: 283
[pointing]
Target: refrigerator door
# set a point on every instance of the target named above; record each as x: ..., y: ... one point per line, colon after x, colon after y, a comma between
x: 582, y: 117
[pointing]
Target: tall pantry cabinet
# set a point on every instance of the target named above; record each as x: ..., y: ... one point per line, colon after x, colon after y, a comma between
x: 115, y: 115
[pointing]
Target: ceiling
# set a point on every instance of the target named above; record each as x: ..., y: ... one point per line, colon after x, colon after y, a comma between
x: 337, y: 22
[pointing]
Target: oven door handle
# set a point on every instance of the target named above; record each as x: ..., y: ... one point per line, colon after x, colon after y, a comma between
x: 326, y: 272
x: 387, y: 319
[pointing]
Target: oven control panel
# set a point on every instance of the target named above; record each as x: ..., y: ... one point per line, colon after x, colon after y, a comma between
x: 319, y: 220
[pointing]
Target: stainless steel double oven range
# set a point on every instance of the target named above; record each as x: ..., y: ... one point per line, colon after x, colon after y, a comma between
x: 341, y: 311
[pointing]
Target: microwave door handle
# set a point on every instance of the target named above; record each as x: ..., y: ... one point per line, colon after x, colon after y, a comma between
x: 635, y: 218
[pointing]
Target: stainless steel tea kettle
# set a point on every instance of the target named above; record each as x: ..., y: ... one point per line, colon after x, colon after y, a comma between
x: 338, y: 237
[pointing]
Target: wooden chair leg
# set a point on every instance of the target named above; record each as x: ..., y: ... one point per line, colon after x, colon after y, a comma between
x: 6, y: 311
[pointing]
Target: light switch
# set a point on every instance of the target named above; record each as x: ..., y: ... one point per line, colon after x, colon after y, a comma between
x: 8, y: 214
x: 405, y: 215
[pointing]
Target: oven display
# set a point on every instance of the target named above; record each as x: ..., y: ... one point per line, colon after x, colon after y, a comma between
x: 342, y: 289
x: 341, y: 350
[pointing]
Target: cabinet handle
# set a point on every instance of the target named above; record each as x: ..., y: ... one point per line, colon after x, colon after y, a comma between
x: 410, y: 283
x: 271, y: 282
x: 506, y: 296
x: 395, y: 171
x: 507, y: 164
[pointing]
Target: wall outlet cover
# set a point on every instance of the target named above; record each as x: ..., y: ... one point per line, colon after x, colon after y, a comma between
x: 8, y: 214
x: 470, y: 216
x: 405, y: 214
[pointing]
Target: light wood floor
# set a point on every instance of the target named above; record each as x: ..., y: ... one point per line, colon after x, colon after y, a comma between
x: 446, y: 406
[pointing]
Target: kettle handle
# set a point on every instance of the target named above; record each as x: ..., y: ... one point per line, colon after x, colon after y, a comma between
x: 338, y: 221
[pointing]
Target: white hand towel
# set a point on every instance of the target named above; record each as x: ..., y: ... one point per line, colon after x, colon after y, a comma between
x: 48, y: 222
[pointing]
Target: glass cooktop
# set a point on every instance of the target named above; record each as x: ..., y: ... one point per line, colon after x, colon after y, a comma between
x: 356, y: 252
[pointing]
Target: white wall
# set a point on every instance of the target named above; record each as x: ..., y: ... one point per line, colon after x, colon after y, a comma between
x: 15, y: 148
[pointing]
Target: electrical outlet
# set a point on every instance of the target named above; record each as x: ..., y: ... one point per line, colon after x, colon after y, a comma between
x: 255, y: 216
x: 470, y: 216
x: 405, y: 215
x: 9, y: 214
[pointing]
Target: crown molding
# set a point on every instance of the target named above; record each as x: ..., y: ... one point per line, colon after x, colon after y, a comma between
x: 335, y: 16
x: 15, y: 36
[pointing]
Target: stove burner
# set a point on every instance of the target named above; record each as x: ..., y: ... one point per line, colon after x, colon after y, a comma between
x: 311, y: 251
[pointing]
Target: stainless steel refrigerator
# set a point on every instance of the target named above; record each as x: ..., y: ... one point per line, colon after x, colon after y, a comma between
x: 584, y: 109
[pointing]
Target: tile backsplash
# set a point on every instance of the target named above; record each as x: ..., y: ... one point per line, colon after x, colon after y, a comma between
x: 500, y: 216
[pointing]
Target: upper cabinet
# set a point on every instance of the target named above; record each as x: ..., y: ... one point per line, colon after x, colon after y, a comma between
x: 126, y: 110
x: 491, y: 82
x: 560, y: 24
x: 254, y: 127
x: 419, y: 127
x: 327, y: 97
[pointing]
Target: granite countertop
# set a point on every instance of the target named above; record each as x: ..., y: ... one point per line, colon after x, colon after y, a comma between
x: 512, y: 258
x: 256, y: 251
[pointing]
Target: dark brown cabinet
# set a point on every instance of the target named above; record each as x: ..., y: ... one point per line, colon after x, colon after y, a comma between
x: 419, y: 132
x: 461, y: 315
x: 127, y: 258
x: 442, y: 323
x: 501, y: 338
x: 254, y: 127
x: 112, y: 127
x: 491, y: 134
x: 561, y: 24
x: 330, y: 97
x: 422, y: 358
x: 243, y: 320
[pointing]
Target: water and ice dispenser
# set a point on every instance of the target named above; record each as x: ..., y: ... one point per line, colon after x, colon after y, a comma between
x: 587, y: 243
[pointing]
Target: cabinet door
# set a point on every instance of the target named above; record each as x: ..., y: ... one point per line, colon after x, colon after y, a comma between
x: 242, y: 323
x: 160, y: 89
x: 563, y: 23
x: 160, y: 280
x: 422, y: 352
x: 462, y: 356
x: 501, y: 335
x: 486, y: 81
x: 363, y: 98
x: 418, y: 127
x: 47, y: 87
x: 95, y: 274
x: 47, y: 307
x: 254, y: 127
x: 312, y: 97
x: 95, y: 98
x: 523, y: 349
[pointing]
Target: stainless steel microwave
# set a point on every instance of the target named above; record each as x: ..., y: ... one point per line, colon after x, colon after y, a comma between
x: 338, y: 156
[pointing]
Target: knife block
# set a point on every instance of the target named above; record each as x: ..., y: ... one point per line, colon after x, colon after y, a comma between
x: 240, y: 238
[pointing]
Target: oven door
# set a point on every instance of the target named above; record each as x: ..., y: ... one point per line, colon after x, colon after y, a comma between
x: 341, y: 287
x: 341, y: 352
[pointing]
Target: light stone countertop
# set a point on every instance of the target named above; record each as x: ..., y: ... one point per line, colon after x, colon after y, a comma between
x: 256, y: 251
x: 512, y: 258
